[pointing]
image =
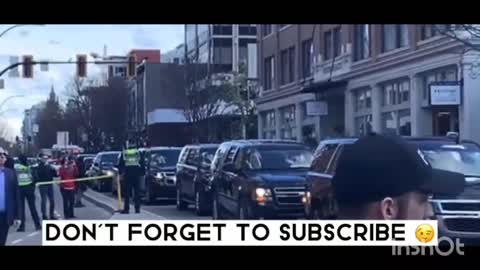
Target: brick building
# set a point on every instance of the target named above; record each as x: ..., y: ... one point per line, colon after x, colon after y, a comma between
x: 320, y: 81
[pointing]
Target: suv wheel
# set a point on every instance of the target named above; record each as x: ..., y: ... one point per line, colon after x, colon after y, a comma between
x: 181, y: 205
x: 149, y: 195
x: 199, y: 203
x: 216, y: 212
x: 244, y: 211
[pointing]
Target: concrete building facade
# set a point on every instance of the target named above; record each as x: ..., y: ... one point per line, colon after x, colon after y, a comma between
x: 322, y: 81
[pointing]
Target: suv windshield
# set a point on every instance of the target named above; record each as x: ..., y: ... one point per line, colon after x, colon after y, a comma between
x: 455, y: 158
x: 165, y: 158
x: 278, y: 158
x: 110, y: 158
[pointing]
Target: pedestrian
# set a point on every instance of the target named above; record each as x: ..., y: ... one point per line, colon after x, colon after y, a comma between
x: 132, y: 167
x: 9, y: 199
x: 45, y: 173
x: 68, y: 171
x: 27, y: 192
x: 383, y: 177
x: 80, y: 186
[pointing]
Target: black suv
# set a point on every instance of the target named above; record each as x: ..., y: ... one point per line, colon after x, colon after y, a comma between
x: 256, y: 179
x: 104, y: 164
x: 194, y: 177
x: 160, y: 165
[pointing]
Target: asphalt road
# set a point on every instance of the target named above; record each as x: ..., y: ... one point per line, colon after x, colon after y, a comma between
x: 34, y: 238
x: 168, y: 210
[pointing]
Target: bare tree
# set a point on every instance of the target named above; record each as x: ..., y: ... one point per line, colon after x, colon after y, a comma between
x: 467, y: 34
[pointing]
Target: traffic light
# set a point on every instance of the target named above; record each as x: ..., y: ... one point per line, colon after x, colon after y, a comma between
x: 27, y: 66
x: 81, y: 66
x: 131, y: 69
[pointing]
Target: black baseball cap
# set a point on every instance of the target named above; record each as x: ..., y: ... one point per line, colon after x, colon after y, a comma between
x: 378, y: 166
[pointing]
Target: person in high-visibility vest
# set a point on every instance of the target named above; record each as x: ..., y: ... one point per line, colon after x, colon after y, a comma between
x: 27, y: 192
x: 132, y: 167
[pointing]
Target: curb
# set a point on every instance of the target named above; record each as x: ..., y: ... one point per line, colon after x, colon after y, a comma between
x: 110, y: 208
x: 99, y: 203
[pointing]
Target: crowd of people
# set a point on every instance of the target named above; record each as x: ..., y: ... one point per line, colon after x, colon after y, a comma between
x: 19, y: 180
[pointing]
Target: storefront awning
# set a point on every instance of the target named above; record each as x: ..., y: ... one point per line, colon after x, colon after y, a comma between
x: 324, y: 86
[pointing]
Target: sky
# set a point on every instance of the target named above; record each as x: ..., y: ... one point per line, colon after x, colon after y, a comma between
x: 61, y: 43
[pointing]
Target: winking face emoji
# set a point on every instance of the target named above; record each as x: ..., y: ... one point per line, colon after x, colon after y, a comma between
x: 424, y: 233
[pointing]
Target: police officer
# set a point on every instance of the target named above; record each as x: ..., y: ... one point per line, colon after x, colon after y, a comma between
x: 132, y: 167
x: 27, y: 192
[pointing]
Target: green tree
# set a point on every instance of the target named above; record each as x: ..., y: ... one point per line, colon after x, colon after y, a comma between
x: 239, y: 95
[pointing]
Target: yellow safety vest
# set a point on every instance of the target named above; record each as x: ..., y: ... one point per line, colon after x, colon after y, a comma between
x: 131, y: 157
x: 23, y: 175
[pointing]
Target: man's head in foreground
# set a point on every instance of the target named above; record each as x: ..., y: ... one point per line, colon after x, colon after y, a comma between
x: 385, y: 177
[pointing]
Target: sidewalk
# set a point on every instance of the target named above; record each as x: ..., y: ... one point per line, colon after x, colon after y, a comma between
x: 111, y: 205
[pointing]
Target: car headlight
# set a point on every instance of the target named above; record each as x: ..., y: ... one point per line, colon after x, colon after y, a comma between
x: 263, y: 194
x: 306, y: 197
x: 159, y: 175
x: 108, y: 173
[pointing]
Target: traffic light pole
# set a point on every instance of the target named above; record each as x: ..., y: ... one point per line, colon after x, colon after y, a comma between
x: 12, y: 66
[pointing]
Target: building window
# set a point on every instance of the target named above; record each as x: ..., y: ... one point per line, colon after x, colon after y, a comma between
x: 363, y: 99
x: 337, y: 42
x: 288, y: 124
x: 247, y: 30
x: 396, y: 93
x: 394, y: 36
x: 287, y: 62
x: 266, y: 29
x: 269, y: 72
x: 431, y: 30
x: 221, y: 29
x: 307, y: 58
x: 362, y: 41
x: 268, y: 119
x: 449, y: 74
x: 363, y: 124
x: 333, y: 43
x: 397, y: 122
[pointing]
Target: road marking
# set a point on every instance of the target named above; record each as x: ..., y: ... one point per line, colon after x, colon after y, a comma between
x: 156, y: 215
x: 32, y: 234
x: 17, y: 241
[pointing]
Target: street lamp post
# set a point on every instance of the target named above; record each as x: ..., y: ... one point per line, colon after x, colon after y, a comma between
x: 15, y: 26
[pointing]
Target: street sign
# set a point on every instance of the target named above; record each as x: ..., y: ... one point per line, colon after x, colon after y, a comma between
x: 316, y: 108
x: 14, y: 73
x: 62, y: 138
x: 44, y: 66
x: 445, y: 93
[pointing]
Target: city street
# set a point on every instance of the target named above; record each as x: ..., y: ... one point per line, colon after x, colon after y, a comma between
x: 34, y: 238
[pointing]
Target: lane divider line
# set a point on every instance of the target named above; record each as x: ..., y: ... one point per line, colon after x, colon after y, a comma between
x: 32, y: 234
x: 14, y: 242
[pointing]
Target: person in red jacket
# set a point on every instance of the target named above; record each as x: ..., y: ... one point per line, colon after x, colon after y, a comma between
x: 68, y: 171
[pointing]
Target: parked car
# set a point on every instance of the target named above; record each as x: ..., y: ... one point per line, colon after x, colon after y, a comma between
x: 160, y: 163
x: 194, y: 177
x: 458, y: 216
x: 104, y: 164
x: 259, y: 179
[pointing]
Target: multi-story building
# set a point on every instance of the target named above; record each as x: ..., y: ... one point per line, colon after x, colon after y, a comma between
x: 322, y: 81
x: 217, y: 51
x: 120, y: 69
x: 175, y: 56
x: 156, y: 104
x: 223, y: 46
x: 30, y: 122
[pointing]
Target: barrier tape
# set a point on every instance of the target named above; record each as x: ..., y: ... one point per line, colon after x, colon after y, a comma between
x: 119, y: 192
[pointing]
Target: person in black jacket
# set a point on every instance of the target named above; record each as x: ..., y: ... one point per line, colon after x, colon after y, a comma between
x: 45, y: 173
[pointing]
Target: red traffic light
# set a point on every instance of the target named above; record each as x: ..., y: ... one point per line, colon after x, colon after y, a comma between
x: 81, y: 65
x: 27, y: 66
